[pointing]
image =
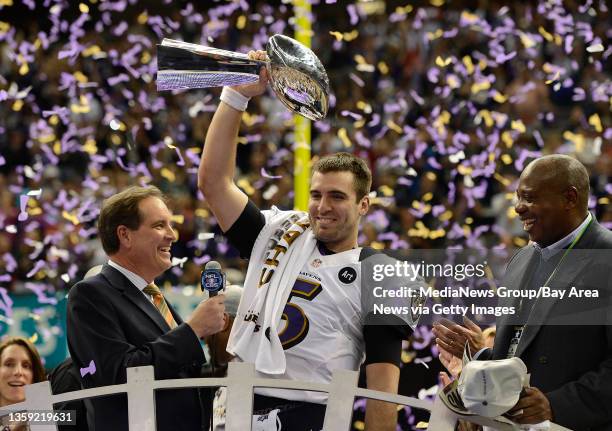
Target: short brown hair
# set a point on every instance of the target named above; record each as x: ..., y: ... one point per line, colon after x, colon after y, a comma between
x: 341, y: 162
x: 122, y: 209
x: 38, y: 371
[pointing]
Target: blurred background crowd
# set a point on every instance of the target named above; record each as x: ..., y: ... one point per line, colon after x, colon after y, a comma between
x: 447, y: 101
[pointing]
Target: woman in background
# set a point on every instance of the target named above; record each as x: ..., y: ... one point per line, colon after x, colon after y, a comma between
x: 20, y: 365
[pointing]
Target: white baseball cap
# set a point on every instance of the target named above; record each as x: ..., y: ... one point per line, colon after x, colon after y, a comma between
x: 486, y: 388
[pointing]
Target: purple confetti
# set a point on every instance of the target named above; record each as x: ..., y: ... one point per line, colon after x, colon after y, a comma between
x: 91, y: 369
x: 6, y: 303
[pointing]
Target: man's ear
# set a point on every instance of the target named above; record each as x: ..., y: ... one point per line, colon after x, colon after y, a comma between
x: 364, y: 205
x: 124, y: 236
x: 571, y: 197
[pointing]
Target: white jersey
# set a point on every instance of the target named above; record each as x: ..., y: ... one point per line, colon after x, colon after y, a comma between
x: 321, y: 327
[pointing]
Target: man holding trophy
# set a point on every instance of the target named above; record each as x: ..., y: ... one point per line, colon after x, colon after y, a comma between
x: 321, y: 328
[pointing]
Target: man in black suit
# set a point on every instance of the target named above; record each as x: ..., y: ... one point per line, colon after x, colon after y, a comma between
x: 565, y: 343
x: 119, y: 319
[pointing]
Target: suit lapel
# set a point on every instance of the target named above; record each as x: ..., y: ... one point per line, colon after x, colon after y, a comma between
x: 518, y: 274
x: 573, y: 265
x: 132, y: 293
x: 176, y: 316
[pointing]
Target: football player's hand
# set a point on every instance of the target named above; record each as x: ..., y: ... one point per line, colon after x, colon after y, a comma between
x: 259, y: 87
x: 451, y: 362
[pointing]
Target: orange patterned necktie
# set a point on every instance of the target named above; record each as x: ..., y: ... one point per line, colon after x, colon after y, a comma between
x: 160, y: 303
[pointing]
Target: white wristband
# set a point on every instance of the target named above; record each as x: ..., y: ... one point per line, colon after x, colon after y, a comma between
x: 234, y: 99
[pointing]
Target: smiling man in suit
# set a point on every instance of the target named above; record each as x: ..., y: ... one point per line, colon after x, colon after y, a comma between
x: 119, y: 318
x: 566, y: 342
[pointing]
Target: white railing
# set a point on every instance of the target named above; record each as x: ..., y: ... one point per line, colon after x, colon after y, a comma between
x: 240, y: 381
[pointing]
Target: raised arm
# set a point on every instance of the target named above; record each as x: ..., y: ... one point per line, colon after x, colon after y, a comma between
x: 216, y: 171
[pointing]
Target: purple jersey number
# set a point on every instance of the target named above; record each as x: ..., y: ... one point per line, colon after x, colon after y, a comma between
x: 297, y: 324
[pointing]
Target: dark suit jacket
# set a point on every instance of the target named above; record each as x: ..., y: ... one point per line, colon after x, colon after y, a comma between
x: 112, y: 323
x: 570, y: 363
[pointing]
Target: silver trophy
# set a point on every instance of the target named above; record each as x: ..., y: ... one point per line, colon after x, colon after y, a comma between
x: 296, y: 74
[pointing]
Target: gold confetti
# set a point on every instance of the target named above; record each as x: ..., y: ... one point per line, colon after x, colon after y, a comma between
x: 116, y: 139
x: 83, y: 8
x: 438, y: 233
x: 337, y: 35
x: 554, y: 78
x: 178, y: 218
x: 422, y: 425
x: 385, y: 190
x: 201, y: 212
x: 70, y: 217
x: 446, y: 215
x: 506, y: 138
x: 382, y: 67
x: 576, y: 138
x: 145, y: 58
x: 435, y: 35
x: 430, y: 176
x: 527, y: 41
x: 92, y: 50
x: 480, y: 86
x: 90, y: 147
x: 241, y: 22
x: 595, y: 121
x: 519, y: 242
x: 350, y: 36
x: 365, y: 107
x: 45, y: 139
x: 403, y: 10
x: 24, y: 69
x: 464, y: 170
x: 17, y: 105
x: 394, y: 126
x: 4, y: 27
x: 467, y: 16
x: 506, y: 182
x: 168, y: 174
x: 436, y: 3
x: 453, y: 82
x: 486, y: 116
x: 469, y: 65
x: 6, y: 2
x: 549, y: 37
x: 603, y: 201
x: 82, y: 107
x: 359, y: 425
x: 80, y: 77
x: 57, y: 148
x: 443, y: 62
x: 428, y: 196
x: 377, y: 245
x: 143, y: 18
x: 506, y: 159
x: 245, y: 186
x: 33, y: 338
x: 407, y: 357
x: 498, y: 97
x: 343, y: 135
x: 518, y: 126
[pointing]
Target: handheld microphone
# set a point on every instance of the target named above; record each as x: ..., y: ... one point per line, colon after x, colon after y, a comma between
x: 212, y: 278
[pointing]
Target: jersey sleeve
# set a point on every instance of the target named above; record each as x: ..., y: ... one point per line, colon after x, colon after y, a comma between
x: 243, y: 233
x: 383, y: 339
x: 383, y: 334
